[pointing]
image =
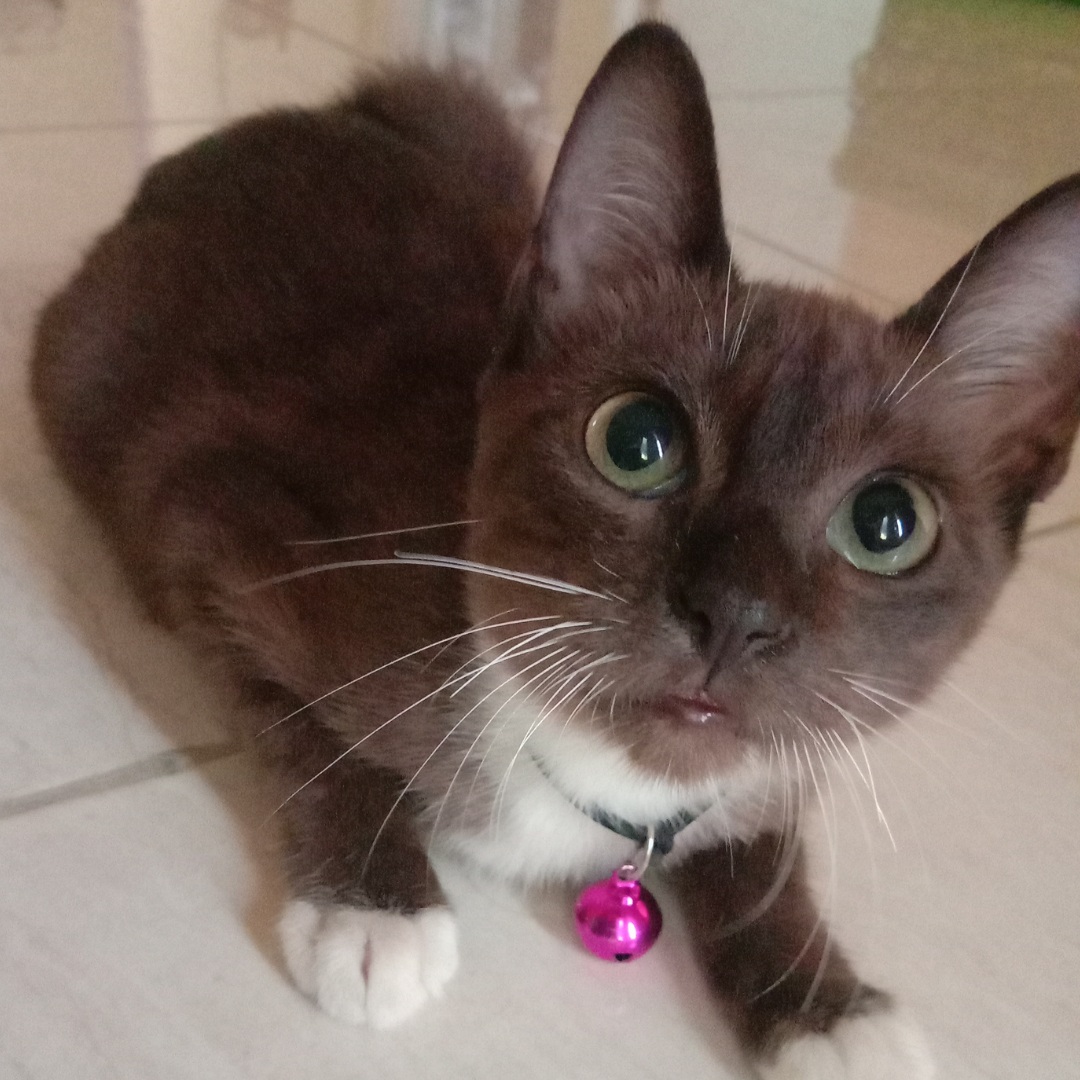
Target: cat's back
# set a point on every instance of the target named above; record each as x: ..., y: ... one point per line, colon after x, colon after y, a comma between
x: 277, y: 280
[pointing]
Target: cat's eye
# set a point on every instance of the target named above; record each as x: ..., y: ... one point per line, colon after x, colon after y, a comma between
x: 638, y: 442
x: 887, y: 525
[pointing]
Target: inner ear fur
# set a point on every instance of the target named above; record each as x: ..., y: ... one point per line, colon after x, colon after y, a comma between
x: 1001, y: 331
x: 636, y: 179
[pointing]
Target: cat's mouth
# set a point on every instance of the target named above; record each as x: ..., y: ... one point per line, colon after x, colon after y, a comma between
x: 693, y: 709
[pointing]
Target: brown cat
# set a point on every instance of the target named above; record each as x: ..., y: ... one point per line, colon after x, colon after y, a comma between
x: 639, y: 547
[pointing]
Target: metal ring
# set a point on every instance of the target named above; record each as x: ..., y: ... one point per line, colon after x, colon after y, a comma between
x: 634, y: 871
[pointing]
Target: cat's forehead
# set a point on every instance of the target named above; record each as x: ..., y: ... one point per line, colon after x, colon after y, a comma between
x: 716, y: 337
x: 758, y: 369
x: 780, y: 388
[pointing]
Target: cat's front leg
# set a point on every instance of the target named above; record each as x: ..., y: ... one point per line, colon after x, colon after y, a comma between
x: 367, y: 934
x: 798, y: 1006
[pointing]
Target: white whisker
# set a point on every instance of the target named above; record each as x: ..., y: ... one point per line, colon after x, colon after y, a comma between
x: 384, y: 532
x: 450, y: 562
x: 868, y: 778
x: 490, y: 720
x: 708, y: 329
x: 727, y: 301
x: 934, y: 330
x: 405, y: 656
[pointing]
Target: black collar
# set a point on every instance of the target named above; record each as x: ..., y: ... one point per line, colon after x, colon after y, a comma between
x: 663, y: 832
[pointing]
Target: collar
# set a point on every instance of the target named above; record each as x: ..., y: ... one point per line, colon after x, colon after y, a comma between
x: 663, y: 832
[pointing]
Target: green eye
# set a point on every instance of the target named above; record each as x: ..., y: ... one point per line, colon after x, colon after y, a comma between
x: 885, y: 526
x: 637, y: 442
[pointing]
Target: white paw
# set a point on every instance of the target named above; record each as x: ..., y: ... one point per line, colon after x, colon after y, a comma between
x: 367, y: 966
x: 883, y: 1045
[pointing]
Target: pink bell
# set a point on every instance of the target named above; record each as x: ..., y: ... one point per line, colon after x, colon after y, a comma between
x: 618, y: 919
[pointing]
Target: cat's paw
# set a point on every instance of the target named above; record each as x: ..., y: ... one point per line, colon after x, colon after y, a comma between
x: 367, y: 966
x: 880, y: 1045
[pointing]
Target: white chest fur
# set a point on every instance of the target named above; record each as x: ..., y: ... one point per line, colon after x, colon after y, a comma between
x: 537, y: 830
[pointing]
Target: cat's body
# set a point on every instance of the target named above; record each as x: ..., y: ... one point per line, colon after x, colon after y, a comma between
x: 298, y: 334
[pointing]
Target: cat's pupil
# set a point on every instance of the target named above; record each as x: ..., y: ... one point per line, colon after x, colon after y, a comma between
x: 884, y: 516
x: 639, y: 435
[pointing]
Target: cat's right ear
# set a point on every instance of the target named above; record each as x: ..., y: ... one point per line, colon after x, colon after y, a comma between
x: 636, y: 179
x: 1005, y: 324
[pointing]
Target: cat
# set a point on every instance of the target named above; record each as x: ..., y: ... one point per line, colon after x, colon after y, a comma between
x: 521, y: 526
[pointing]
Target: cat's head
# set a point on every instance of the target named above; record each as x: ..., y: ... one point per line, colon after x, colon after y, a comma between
x: 785, y: 516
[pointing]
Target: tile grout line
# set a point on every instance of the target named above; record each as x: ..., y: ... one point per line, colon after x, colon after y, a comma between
x: 165, y: 763
x: 764, y: 241
x: 1051, y: 530
x: 319, y: 35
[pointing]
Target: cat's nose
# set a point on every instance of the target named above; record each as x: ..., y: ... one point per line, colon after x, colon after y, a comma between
x: 730, y: 627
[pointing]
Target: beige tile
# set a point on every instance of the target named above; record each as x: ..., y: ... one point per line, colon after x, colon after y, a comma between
x: 59, y: 188
x: 87, y: 684
x: 136, y: 941
x: 1063, y: 504
x: 973, y: 916
x: 259, y: 74
x: 776, y: 168
x: 65, y: 64
x: 211, y: 60
x: 760, y: 260
x: 775, y: 47
x: 370, y: 28
x: 160, y: 140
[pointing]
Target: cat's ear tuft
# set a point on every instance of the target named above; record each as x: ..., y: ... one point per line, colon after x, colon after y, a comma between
x: 1004, y: 324
x: 636, y: 179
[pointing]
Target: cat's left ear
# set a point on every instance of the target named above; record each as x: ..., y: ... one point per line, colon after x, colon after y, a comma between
x: 1004, y: 324
x: 636, y: 179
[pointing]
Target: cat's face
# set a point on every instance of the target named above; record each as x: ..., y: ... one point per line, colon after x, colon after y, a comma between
x: 743, y: 606
x: 786, y: 519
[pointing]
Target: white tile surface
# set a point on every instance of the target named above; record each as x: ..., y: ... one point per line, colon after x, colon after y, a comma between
x: 974, y: 916
x: 138, y: 944
x: 65, y: 64
x: 864, y: 147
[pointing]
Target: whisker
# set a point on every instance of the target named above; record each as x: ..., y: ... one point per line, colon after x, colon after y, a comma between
x: 521, y: 650
x: 817, y: 923
x: 359, y: 742
x: 995, y: 720
x: 853, y: 723
x: 708, y: 329
x: 889, y: 680
x: 934, y: 330
x: 727, y: 300
x: 744, y: 322
x: 488, y: 623
x: 837, y: 746
x: 450, y: 562
x: 871, y: 695
x: 384, y: 532
x: 487, y: 724
x: 548, y: 709
x: 1000, y: 328
x: 441, y: 743
x: 548, y: 675
x: 356, y: 745
x: 829, y: 823
x: 405, y: 656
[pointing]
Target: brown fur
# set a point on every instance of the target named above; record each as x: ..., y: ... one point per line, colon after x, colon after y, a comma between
x: 290, y: 336
x: 764, y: 949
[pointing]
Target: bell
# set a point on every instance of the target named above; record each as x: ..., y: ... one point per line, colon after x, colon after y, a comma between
x: 618, y: 919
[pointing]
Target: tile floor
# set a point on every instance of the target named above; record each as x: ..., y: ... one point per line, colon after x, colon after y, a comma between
x: 865, y: 144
